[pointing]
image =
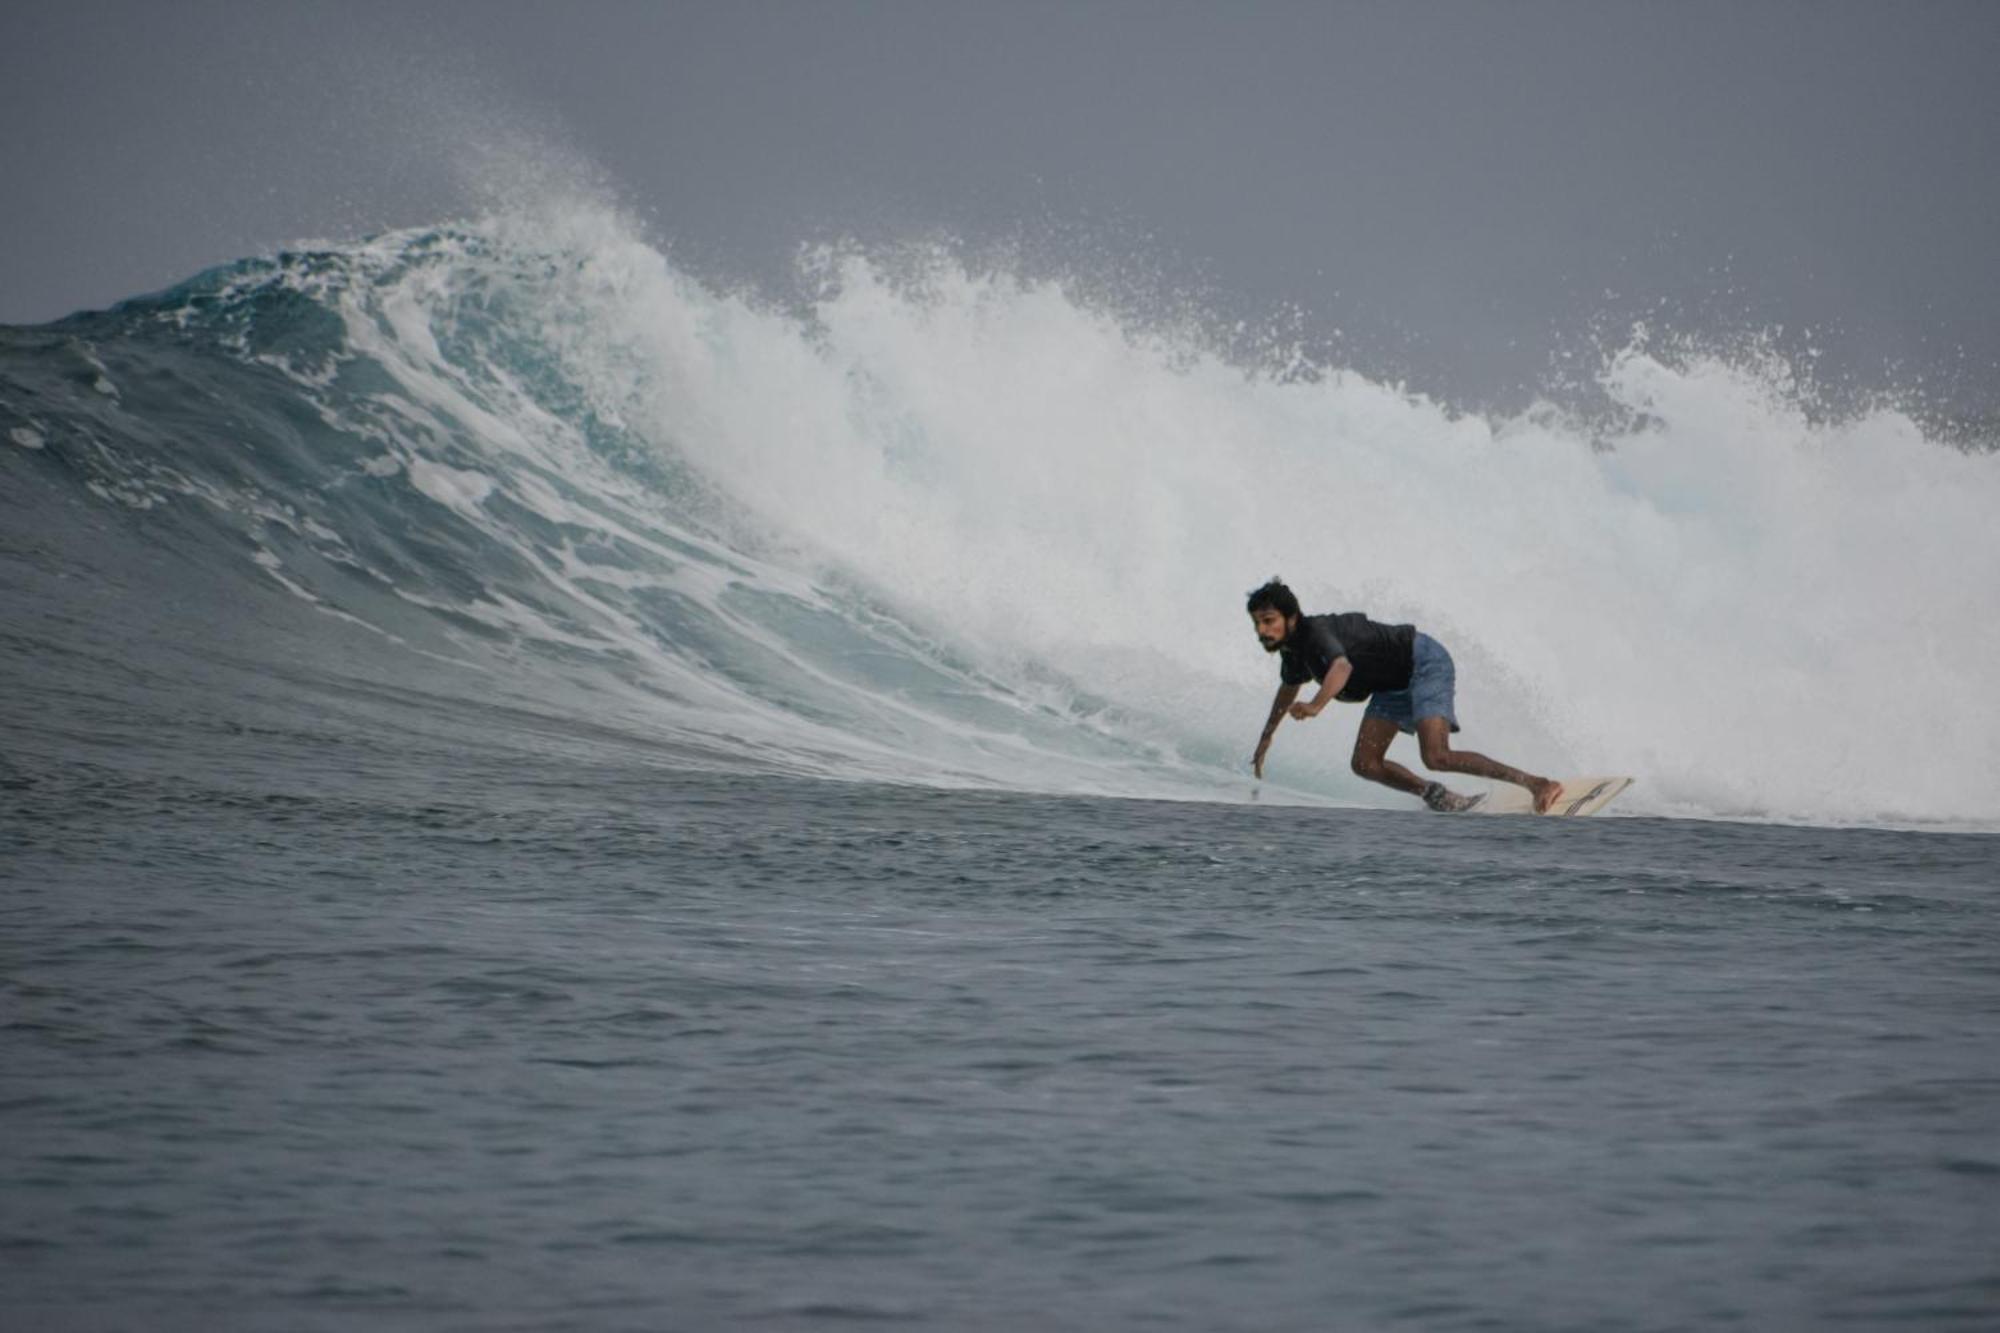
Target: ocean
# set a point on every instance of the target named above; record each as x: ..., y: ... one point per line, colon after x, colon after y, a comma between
x: 537, y: 793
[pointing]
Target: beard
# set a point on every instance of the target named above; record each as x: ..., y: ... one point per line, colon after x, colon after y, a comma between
x: 1270, y: 645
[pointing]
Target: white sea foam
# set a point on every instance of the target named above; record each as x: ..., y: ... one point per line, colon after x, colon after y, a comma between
x: 454, y: 488
x: 1755, y: 611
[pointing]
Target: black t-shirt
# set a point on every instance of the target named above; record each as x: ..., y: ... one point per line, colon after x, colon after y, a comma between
x: 1380, y: 654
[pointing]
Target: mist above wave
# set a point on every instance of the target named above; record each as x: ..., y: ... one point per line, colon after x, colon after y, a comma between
x: 1054, y: 508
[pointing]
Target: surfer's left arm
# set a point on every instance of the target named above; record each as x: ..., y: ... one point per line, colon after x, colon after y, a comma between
x: 1334, y: 682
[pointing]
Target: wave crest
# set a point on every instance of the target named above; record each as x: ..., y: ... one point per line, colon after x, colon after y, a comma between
x: 955, y: 524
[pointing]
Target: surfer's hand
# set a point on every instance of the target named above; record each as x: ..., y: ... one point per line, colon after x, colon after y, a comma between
x: 1304, y: 712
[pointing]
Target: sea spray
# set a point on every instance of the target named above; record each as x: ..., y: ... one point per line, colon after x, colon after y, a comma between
x: 1755, y: 609
x: 954, y: 524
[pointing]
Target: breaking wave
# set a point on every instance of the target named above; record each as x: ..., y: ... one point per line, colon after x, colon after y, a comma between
x: 945, y: 523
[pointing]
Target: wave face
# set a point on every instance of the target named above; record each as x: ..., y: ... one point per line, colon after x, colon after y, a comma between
x: 962, y: 527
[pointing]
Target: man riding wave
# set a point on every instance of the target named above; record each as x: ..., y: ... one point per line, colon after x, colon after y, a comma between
x: 1408, y: 680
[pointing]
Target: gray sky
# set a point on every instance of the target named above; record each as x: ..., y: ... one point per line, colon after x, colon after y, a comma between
x: 1463, y: 188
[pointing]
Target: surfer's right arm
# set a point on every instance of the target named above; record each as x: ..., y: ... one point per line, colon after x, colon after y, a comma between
x: 1286, y: 693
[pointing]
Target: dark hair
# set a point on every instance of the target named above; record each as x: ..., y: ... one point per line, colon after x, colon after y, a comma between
x: 1275, y: 596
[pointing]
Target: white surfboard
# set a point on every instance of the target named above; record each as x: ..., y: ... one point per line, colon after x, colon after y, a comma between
x: 1580, y: 796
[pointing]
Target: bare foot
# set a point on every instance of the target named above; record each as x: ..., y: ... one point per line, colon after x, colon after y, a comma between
x: 1546, y: 793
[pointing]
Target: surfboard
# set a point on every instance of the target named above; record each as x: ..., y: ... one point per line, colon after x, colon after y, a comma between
x: 1580, y: 796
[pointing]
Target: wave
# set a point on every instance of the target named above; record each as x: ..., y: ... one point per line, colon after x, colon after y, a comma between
x: 944, y: 522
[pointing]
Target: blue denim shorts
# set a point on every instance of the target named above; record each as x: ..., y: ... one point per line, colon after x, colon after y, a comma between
x: 1433, y: 682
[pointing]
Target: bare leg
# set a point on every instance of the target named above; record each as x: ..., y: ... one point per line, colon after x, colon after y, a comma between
x: 1434, y: 736
x: 1371, y: 744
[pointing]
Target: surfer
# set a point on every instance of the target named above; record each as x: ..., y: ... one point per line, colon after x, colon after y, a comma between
x: 1407, y: 679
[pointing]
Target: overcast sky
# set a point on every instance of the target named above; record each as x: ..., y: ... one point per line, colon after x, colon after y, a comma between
x: 1461, y: 187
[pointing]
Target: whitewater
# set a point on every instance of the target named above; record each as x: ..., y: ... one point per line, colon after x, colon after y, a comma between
x: 951, y: 525
x: 540, y: 791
